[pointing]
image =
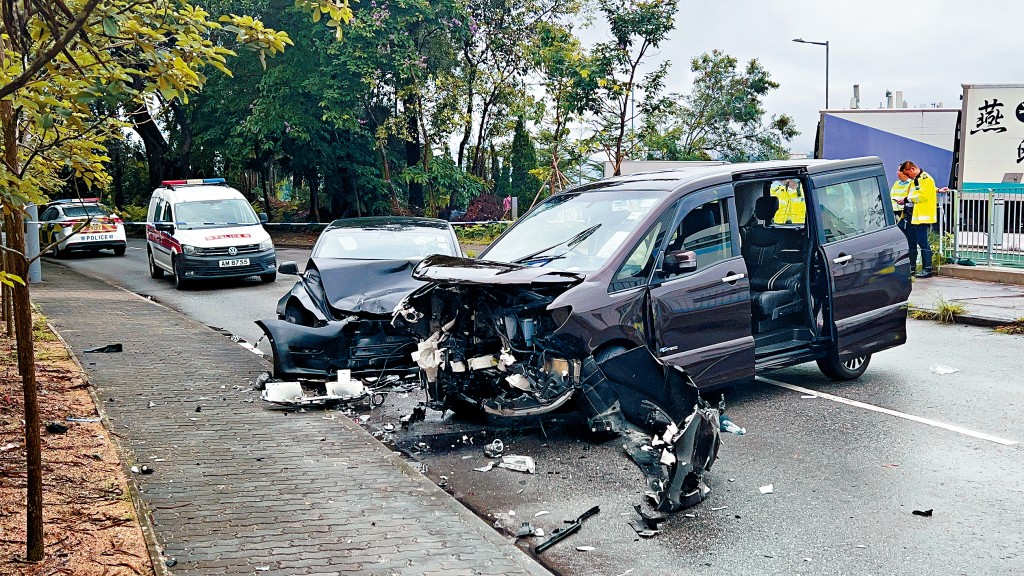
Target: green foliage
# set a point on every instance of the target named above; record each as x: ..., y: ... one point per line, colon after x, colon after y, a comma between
x: 445, y: 183
x: 723, y: 117
x: 613, y: 88
x: 523, y: 161
x: 480, y: 233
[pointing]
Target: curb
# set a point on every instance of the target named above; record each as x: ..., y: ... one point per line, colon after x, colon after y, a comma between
x: 968, y: 319
x: 141, y: 511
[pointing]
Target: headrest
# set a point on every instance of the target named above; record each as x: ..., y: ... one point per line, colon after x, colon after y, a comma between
x: 765, y: 208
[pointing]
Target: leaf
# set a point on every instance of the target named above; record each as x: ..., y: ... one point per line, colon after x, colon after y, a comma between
x: 110, y: 26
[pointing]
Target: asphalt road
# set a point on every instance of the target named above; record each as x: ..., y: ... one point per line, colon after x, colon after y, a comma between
x: 847, y: 475
x: 231, y: 305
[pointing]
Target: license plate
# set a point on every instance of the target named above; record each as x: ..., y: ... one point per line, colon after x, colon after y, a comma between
x: 97, y: 236
x: 235, y: 262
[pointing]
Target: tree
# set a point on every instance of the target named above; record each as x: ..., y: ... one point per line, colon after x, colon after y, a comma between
x: 559, y: 57
x: 65, y: 66
x: 523, y: 161
x: 723, y: 117
x: 637, y: 27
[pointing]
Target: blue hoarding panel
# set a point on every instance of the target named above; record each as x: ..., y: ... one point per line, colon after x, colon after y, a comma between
x: 845, y: 139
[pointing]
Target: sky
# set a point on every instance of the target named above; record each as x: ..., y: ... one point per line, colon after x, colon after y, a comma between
x: 926, y: 48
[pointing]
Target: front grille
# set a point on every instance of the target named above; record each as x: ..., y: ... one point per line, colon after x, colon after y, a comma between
x: 223, y: 251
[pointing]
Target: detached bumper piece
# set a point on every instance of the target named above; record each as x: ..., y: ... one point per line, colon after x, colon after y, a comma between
x: 299, y: 394
x: 662, y: 401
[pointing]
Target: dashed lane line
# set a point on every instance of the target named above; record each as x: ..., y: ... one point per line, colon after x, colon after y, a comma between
x: 879, y: 409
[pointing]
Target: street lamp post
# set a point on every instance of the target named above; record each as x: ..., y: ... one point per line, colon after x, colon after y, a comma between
x: 825, y: 44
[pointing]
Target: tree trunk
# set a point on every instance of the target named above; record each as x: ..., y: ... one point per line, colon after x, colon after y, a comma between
x: 413, y: 149
x: 184, y: 162
x: 117, y: 172
x: 313, y: 179
x: 14, y: 220
x: 155, y: 143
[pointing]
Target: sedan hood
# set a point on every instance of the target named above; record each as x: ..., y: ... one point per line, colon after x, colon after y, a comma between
x: 454, y: 270
x: 366, y: 286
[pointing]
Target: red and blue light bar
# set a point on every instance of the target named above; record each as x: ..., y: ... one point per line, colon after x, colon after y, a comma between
x: 77, y: 201
x: 192, y: 182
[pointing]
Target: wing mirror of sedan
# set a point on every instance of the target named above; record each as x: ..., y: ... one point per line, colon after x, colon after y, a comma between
x: 289, y: 267
x: 263, y: 218
x: 164, y: 227
x: 680, y: 261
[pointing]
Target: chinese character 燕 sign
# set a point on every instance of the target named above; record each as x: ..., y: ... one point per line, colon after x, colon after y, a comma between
x: 989, y: 117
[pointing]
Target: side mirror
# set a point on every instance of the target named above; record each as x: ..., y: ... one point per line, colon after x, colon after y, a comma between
x: 680, y: 262
x: 164, y: 227
x: 263, y: 218
x: 289, y: 267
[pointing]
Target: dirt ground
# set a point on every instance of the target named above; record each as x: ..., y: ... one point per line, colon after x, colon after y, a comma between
x: 90, y: 525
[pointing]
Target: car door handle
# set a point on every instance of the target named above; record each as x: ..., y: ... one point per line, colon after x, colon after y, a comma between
x: 732, y: 278
x: 842, y: 259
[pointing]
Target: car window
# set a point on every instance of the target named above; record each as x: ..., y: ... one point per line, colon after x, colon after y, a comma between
x: 851, y: 208
x: 164, y: 211
x: 49, y: 214
x: 792, y: 209
x: 575, y: 231
x: 85, y: 211
x: 384, y: 244
x: 703, y: 230
x: 638, y: 265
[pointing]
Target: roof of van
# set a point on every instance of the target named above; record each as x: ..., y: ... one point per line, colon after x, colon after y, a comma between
x: 186, y: 193
x: 674, y: 178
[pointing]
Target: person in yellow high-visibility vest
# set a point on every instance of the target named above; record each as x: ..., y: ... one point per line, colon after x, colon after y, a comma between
x: 920, y: 211
x: 792, y: 209
x: 898, y: 197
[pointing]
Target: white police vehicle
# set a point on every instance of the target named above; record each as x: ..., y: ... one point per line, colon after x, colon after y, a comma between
x: 203, y: 228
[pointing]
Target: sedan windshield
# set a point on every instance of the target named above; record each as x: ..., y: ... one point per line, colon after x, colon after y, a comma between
x: 574, y: 232
x: 213, y: 213
x: 84, y: 211
x: 384, y: 243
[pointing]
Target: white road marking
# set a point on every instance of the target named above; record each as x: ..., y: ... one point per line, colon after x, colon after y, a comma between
x: 873, y: 408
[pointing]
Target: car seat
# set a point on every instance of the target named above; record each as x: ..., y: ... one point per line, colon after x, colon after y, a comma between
x: 775, y: 285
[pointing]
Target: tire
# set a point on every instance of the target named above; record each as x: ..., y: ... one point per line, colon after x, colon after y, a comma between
x: 58, y: 253
x: 835, y: 369
x: 155, y: 272
x: 119, y: 251
x: 296, y: 314
x: 268, y: 278
x: 179, y: 281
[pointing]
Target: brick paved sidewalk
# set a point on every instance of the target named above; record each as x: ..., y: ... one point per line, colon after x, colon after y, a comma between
x: 240, y: 489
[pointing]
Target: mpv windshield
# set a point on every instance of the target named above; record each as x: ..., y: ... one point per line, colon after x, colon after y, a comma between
x: 384, y: 244
x: 214, y: 213
x: 574, y: 232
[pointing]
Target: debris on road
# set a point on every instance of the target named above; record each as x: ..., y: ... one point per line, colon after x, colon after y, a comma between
x: 485, y: 468
x: 926, y: 513
x: 106, y: 349
x: 418, y: 414
x: 494, y: 449
x: 585, y: 548
x: 518, y: 463
x: 942, y: 370
x: 767, y: 489
x: 727, y: 425
x: 560, y: 534
x: 541, y: 513
x: 527, y: 530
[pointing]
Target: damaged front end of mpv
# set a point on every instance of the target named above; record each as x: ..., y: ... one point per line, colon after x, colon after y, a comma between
x: 498, y: 338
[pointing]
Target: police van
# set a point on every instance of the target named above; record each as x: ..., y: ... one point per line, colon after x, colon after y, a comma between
x: 203, y: 228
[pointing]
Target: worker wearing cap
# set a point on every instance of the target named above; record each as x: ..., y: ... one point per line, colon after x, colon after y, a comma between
x: 920, y: 211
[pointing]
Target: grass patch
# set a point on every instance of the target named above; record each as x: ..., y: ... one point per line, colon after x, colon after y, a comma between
x: 1017, y: 327
x: 946, y: 311
x: 921, y: 314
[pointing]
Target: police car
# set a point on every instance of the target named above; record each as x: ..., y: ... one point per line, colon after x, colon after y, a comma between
x: 81, y: 225
x: 203, y: 228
